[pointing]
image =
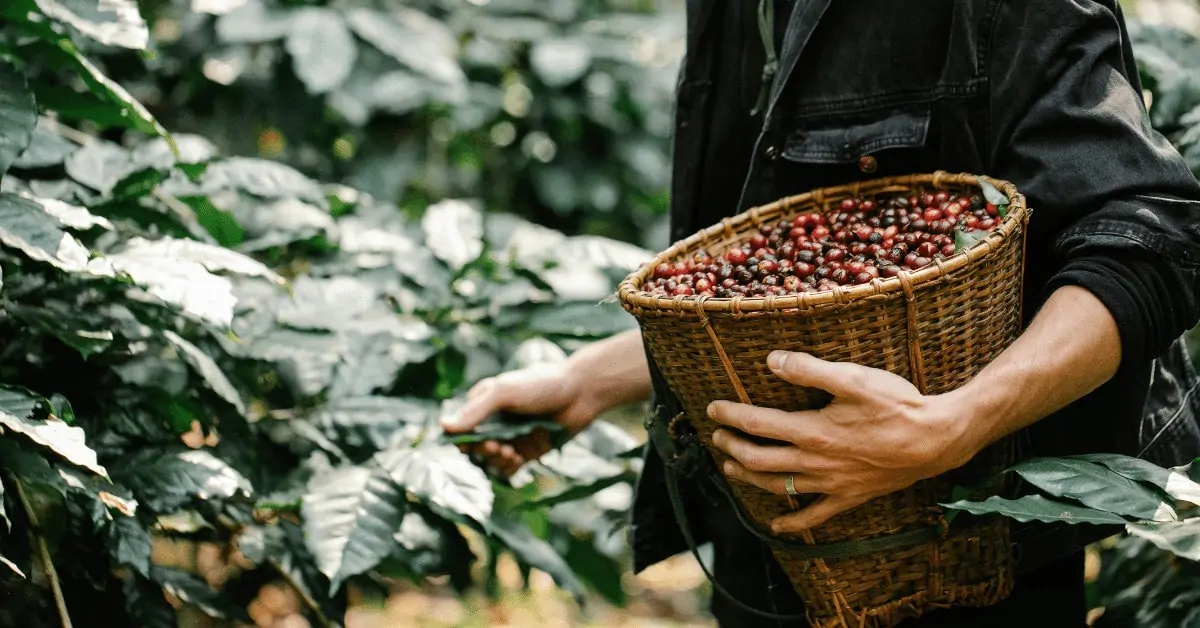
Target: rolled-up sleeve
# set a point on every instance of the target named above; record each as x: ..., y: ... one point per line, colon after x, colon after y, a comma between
x: 1115, y: 208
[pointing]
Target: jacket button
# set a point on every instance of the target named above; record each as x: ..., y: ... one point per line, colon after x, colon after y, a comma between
x: 868, y: 164
x: 771, y: 153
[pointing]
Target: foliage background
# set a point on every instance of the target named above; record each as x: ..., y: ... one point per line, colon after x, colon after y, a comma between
x: 418, y: 196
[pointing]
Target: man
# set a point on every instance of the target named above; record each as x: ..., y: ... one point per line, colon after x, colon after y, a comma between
x: 782, y: 97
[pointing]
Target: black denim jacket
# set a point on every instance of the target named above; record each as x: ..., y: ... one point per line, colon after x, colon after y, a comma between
x: 1043, y: 93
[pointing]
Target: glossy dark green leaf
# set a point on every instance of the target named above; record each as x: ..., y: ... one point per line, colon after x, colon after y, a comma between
x: 601, y: 572
x: 128, y: 542
x: 507, y: 427
x: 585, y: 320
x: 138, y: 184
x: 537, y: 553
x: 454, y: 232
x: 165, y: 480
x: 370, y: 422
x: 1174, y: 482
x: 27, y: 227
x: 260, y: 177
x: 965, y: 239
x: 412, y: 38
x: 441, y: 475
x: 1095, y: 486
x: 991, y: 194
x: 112, y: 22
x: 146, y: 604
x: 1037, y: 508
x: 46, y: 149
x: 322, y: 49
x: 221, y: 224
x: 76, y: 329
x: 17, y: 414
x: 1181, y: 538
x: 18, y: 115
x: 192, y: 590
x: 211, y: 374
x: 581, y: 491
x: 350, y: 515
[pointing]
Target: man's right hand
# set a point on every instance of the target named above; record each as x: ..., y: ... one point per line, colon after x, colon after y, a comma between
x: 595, y: 379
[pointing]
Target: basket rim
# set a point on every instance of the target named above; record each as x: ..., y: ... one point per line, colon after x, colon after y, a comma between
x: 632, y: 297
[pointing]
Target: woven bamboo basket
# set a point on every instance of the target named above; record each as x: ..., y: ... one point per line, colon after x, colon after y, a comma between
x: 937, y: 326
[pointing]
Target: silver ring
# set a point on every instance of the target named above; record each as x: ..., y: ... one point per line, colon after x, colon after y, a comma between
x: 789, y: 483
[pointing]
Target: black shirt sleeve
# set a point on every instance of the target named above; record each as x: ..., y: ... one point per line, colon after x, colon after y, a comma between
x: 1115, y: 208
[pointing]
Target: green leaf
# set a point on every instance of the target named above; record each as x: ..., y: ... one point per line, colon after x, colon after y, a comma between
x: 163, y: 482
x: 584, y: 320
x: 412, y: 38
x: 1173, y: 482
x: 965, y: 239
x: 441, y: 475
x: 252, y: 22
x: 560, y: 61
x: 27, y: 227
x: 454, y: 232
x: 146, y: 605
x: 77, y: 330
x: 1094, y: 486
x: 991, y: 194
x: 128, y: 542
x: 322, y: 49
x: 18, y: 115
x: 223, y: 226
x: 1181, y: 538
x: 508, y: 427
x: 579, y: 491
x: 138, y: 184
x: 46, y: 149
x: 196, y: 592
x: 17, y: 413
x: 370, y: 422
x: 260, y: 177
x: 112, y: 23
x: 350, y: 515
x: 207, y: 369
x: 1037, y: 508
x: 601, y: 572
x: 537, y: 553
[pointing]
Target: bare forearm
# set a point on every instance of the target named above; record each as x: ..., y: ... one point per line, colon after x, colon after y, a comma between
x: 1071, y: 348
x: 612, y: 372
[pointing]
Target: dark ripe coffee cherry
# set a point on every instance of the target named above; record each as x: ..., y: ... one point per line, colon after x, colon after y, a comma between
x: 762, y: 253
x: 817, y: 220
x: 835, y: 255
x: 918, y: 225
x: 890, y: 270
x: 863, y: 277
x: 858, y: 248
x: 903, y: 221
x: 911, y: 259
x: 757, y: 241
x: 927, y: 249
x: 823, y: 272
x: 856, y: 266
x: 729, y: 282
x: 875, y: 238
x: 863, y: 233
x: 722, y: 293
x: 953, y: 210
x: 902, y: 202
x: 796, y: 233
x: 921, y: 262
x: 875, y: 249
x: 948, y: 250
x: 767, y: 267
x: 787, y: 251
x: 771, y: 280
x: 928, y: 200
x: 857, y: 217
x: 725, y: 271
x: 766, y: 230
x: 848, y: 205
x: 819, y: 232
x: 803, y: 269
x: 868, y: 206
x: 736, y: 256
x: 889, y: 222
x: 872, y: 270
x: 976, y: 201
x: 941, y: 197
x: 987, y: 224
x: 785, y: 266
x: 805, y: 255
x: 874, y: 221
x: 793, y: 284
x: 682, y: 291
x: 992, y: 210
x: 932, y: 215
x: 752, y: 262
x: 801, y: 221
x: 702, y: 285
x: 744, y: 276
x: 841, y: 236
x: 701, y: 259
x: 665, y: 271
x: 840, y: 275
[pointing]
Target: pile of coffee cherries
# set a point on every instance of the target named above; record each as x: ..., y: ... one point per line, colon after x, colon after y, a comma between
x: 861, y: 241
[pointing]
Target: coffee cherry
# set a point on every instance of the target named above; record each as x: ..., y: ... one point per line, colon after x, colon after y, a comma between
x: 803, y: 269
x: 767, y: 267
x: 840, y: 275
x: 848, y: 205
x: 927, y: 249
x: 948, y: 250
x: 793, y: 284
x: 757, y: 241
x: 682, y: 291
x: 932, y: 215
x: 863, y: 277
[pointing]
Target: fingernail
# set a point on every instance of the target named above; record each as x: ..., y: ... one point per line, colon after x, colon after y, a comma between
x: 777, y: 359
x: 451, y: 420
x: 712, y: 410
x: 727, y: 468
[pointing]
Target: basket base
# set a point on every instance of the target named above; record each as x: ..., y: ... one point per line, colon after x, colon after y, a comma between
x: 890, y: 615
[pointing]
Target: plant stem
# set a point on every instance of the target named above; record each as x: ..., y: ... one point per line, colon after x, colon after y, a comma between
x: 44, y: 552
x: 304, y: 595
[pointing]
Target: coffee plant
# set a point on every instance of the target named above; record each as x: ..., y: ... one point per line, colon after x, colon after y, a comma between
x: 558, y: 111
x: 220, y: 348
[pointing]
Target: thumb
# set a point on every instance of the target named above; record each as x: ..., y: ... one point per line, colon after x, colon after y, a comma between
x: 840, y: 379
x: 483, y: 400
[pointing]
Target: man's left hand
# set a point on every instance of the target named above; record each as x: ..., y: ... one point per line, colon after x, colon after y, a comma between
x: 878, y: 435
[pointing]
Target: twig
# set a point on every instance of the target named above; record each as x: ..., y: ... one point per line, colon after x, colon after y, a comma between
x: 44, y: 551
x: 303, y: 593
x: 75, y: 135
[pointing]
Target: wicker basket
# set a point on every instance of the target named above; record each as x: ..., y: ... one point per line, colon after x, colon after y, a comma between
x: 937, y: 326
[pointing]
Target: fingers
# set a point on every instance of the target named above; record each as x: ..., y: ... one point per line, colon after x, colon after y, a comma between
x: 817, y: 513
x: 772, y: 482
x: 770, y: 458
x: 503, y: 458
x: 806, y: 430
x: 840, y: 379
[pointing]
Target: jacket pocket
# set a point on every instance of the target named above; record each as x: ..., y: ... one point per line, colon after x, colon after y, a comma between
x: 886, y: 143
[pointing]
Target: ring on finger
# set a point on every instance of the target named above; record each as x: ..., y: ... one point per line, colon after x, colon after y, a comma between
x: 789, y: 484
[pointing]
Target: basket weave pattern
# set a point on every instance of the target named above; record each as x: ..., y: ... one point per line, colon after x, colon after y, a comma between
x: 936, y: 327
